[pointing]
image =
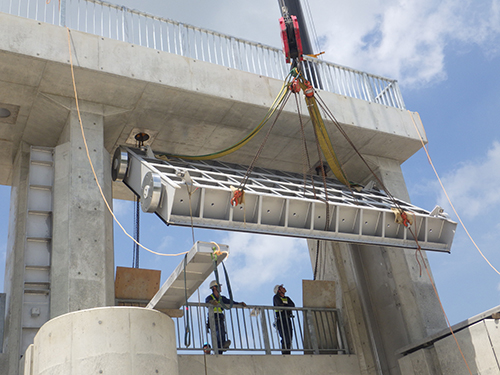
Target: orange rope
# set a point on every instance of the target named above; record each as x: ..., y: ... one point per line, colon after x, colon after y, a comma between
x: 219, y: 252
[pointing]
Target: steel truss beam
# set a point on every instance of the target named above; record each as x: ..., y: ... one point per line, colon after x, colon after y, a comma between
x: 276, y: 202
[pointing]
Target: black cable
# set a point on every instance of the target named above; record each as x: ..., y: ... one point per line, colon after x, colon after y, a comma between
x: 229, y: 290
x: 317, y: 257
x: 135, y: 258
x: 187, y: 334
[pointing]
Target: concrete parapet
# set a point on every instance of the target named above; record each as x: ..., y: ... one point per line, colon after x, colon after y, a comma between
x: 269, y: 364
x: 108, y: 340
x: 480, y: 345
x: 422, y: 362
x: 475, y: 351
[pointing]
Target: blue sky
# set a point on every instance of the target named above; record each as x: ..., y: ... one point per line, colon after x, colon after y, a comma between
x: 445, y: 56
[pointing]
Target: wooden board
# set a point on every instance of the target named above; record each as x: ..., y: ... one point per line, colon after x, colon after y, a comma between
x: 136, y: 283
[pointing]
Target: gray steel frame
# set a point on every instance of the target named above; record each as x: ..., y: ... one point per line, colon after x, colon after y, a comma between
x: 280, y: 203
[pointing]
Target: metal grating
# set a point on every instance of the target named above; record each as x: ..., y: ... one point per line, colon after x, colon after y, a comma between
x: 276, y: 202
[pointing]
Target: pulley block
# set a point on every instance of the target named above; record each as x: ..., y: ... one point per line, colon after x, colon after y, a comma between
x: 120, y: 164
x: 151, y: 192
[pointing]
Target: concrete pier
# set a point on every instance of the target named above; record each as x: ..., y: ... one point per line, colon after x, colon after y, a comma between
x: 110, y: 340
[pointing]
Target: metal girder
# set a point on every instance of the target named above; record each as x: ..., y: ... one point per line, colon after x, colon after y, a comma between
x: 276, y: 202
x: 192, y: 271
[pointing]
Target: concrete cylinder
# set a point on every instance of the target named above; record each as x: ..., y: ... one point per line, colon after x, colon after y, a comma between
x: 108, y: 340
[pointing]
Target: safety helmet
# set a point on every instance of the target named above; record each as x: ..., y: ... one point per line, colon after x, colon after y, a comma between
x: 276, y: 288
x: 214, y: 283
x: 207, y: 348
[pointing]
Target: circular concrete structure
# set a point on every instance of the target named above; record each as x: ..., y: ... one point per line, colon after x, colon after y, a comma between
x: 109, y: 340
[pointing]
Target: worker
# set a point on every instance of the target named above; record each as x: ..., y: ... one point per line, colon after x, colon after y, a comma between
x: 220, y: 325
x: 283, y: 318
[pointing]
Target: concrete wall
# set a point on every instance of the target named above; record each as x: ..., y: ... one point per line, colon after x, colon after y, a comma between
x: 269, y: 364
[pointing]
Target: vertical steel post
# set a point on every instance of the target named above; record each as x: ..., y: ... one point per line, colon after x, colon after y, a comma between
x: 265, y: 331
x: 213, y: 333
x: 62, y: 13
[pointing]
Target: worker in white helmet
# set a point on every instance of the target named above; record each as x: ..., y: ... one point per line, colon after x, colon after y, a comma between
x: 283, y: 317
x: 220, y: 326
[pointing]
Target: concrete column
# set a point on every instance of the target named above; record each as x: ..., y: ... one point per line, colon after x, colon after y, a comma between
x: 14, y: 265
x: 109, y: 340
x: 385, y: 301
x: 413, y: 289
x: 82, y: 248
x: 337, y: 263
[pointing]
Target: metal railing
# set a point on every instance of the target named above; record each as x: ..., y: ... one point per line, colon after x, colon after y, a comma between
x: 132, y: 26
x: 252, y: 330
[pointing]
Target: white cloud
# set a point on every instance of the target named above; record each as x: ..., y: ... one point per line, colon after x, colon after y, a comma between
x: 473, y: 186
x: 258, y: 260
x: 165, y: 246
x: 122, y: 208
x: 404, y: 39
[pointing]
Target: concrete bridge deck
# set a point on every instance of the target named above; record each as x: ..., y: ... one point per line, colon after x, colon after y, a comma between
x: 186, y: 105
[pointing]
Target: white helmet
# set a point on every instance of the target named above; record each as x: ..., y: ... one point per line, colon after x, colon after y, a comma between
x: 276, y: 288
x: 214, y: 283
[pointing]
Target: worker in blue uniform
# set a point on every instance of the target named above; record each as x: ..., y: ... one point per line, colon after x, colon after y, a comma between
x: 283, y: 318
x: 215, y: 299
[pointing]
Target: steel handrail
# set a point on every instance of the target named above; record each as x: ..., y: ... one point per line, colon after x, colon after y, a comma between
x: 251, y: 330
